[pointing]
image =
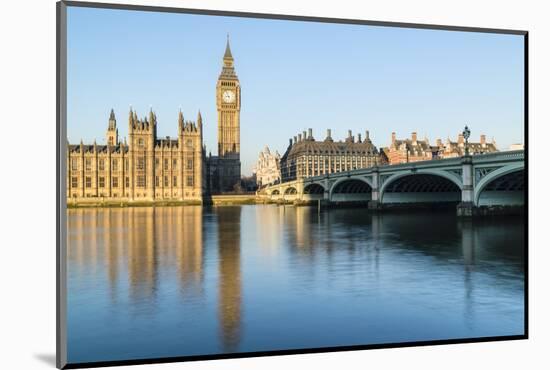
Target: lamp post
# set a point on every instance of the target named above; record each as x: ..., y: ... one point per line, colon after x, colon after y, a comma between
x: 466, y: 206
x: 466, y: 134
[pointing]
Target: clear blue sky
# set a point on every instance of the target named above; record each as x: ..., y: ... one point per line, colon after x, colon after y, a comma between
x: 294, y: 75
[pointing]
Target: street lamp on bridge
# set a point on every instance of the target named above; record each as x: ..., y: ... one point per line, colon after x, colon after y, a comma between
x: 466, y: 134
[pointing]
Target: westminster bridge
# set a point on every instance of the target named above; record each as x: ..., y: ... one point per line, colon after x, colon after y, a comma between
x: 473, y: 182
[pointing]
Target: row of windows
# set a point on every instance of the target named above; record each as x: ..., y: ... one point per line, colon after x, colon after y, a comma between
x: 344, y: 153
x: 339, y: 158
x: 174, y: 163
x: 101, y: 182
x: 140, y: 181
x: 141, y: 143
x: 140, y: 164
x: 100, y: 164
x: 302, y: 170
x: 325, y: 166
x: 116, y: 195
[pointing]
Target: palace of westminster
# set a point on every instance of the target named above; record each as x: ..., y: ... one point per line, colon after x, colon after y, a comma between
x: 147, y: 168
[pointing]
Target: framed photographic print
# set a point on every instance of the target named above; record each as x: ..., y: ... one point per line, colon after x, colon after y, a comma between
x: 234, y: 184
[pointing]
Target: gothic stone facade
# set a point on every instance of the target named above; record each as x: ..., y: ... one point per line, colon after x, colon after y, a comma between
x: 143, y: 169
x: 268, y: 170
x: 224, y: 170
x: 307, y: 157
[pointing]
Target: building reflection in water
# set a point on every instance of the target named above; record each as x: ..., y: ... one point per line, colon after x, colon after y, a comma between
x: 298, y: 224
x: 142, y: 254
x: 179, y: 237
x: 112, y: 220
x: 132, y: 244
x: 229, y: 293
x: 269, y: 229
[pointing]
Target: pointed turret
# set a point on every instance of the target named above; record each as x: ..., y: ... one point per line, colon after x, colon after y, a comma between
x: 151, y: 116
x: 112, y: 131
x: 228, y: 69
x: 180, y: 120
x: 227, y: 54
x: 199, y: 123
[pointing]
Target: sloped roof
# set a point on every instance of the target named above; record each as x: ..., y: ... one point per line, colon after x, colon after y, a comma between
x: 327, y: 147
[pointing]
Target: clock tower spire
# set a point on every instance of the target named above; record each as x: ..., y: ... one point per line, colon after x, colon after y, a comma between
x: 228, y: 102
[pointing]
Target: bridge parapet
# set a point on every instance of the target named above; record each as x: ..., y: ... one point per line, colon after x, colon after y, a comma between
x: 511, y: 155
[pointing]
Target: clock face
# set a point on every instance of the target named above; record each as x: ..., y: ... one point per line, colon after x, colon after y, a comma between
x: 228, y: 96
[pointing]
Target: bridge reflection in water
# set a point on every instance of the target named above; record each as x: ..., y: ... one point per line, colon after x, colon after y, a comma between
x: 176, y: 281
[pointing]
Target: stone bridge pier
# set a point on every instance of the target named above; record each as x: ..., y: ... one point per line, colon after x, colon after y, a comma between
x: 466, y: 206
x: 375, y: 192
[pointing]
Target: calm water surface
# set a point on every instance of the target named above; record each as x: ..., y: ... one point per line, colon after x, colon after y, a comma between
x: 177, y: 281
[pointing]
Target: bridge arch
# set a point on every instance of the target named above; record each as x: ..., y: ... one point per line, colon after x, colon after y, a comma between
x: 503, y: 186
x: 313, y: 192
x: 351, y: 189
x: 291, y: 190
x: 427, y: 186
x: 314, y: 188
x: 275, y: 192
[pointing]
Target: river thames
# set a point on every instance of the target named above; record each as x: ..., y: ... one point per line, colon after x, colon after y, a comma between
x: 179, y: 281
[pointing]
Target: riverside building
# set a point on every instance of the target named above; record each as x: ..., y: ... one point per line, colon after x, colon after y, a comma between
x: 415, y: 150
x: 307, y: 157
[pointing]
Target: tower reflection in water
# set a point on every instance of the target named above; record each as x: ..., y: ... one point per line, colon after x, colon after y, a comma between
x: 229, y: 257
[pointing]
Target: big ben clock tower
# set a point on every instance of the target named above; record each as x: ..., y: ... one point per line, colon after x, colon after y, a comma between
x: 228, y: 102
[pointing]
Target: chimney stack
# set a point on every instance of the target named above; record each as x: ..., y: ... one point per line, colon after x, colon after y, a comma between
x: 460, y: 139
x: 359, y: 137
x: 393, y: 137
x: 482, y: 140
x: 290, y: 142
x: 367, y: 135
x: 328, y: 133
x: 413, y: 137
x: 295, y: 140
x: 438, y: 142
x: 300, y: 138
x: 310, y: 134
x: 350, y: 138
